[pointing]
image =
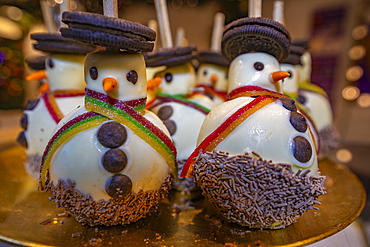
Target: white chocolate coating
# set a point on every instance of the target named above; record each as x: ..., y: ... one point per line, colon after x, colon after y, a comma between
x: 80, y: 159
x: 305, y: 69
x: 183, y: 78
x: 267, y: 132
x: 290, y: 84
x: 242, y: 71
x: 117, y: 65
x: 204, y: 77
x: 66, y: 73
x: 320, y: 108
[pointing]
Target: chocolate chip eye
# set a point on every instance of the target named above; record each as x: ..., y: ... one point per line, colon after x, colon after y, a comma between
x: 51, y: 63
x: 205, y: 72
x: 226, y: 76
x: 290, y: 74
x: 132, y: 76
x: 94, y: 73
x: 259, y: 66
x: 168, y: 77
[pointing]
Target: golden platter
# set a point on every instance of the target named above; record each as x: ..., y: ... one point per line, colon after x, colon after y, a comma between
x: 180, y: 221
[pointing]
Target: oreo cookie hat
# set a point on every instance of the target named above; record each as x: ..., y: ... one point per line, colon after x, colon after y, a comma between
x: 170, y: 57
x: 295, y: 54
x: 54, y: 43
x: 304, y: 43
x: 36, y: 62
x: 257, y: 34
x: 209, y: 56
x: 107, y: 31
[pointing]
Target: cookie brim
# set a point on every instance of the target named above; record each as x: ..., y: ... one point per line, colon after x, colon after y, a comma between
x: 293, y: 59
x: 213, y: 58
x: 36, y: 62
x: 304, y: 43
x: 108, y: 23
x: 107, y: 40
x: 255, y: 38
x: 171, y: 56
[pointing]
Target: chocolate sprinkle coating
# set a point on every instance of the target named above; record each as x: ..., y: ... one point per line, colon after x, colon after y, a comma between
x: 186, y: 185
x: 329, y: 139
x: 288, y: 104
x: 171, y: 126
x: 118, y: 186
x: 22, y: 140
x: 298, y: 121
x: 165, y: 112
x: 31, y: 104
x: 114, y: 160
x: 24, y: 121
x: 123, y: 211
x: 112, y: 134
x: 302, y: 149
x: 253, y: 192
x: 32, y: 165
x: 255, y: 35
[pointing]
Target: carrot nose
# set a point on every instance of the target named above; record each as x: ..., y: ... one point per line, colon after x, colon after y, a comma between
x: 214, y: 79
x: 44, y: 87
x: 109, y: 84
x: 278, y: 75
x: 155, y: 82
x: 36, y: 76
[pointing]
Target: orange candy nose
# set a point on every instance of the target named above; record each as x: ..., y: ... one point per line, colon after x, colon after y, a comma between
x: 36, y: 76
x: 278, y: 75
x: 214, y: 79
x: 109, y: 84
x: 155, y: 82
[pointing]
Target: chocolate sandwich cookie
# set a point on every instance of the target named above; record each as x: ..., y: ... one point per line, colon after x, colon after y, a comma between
x: 304, y: 43
x: 107, y: 31
x: 54, y: 43
x: 256, y: 35
x: 208, y: 56
x: 36, y: 62
x: 170, y: 56
x: 294, y: 57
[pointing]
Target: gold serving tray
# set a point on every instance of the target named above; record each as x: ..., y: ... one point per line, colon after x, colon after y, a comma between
x: 182, y: 220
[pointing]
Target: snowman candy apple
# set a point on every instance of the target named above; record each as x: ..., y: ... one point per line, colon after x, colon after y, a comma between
x: 212, y: 74
x: 182, y: 115
x: 111, y: 156
x: 315, y: 99
x: 62, y: 92
x: 256, y: 122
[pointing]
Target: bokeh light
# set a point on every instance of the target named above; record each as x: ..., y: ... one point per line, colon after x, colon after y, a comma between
x: 344, y: 155
x: 350, y: 93
x: 354, y: 73
x: 360, y: 32
x: 357, y: 52
x: 364, y: 100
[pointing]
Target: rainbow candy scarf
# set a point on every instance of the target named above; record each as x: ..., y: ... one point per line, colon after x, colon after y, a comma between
x: 101, y: 108
x: 307, y: 86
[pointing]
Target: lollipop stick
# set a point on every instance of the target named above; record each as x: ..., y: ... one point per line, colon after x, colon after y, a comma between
x: 180, y: 35
x: 64, y: 6
x: 278, y: 12
x: 218, y: 26
x: 110, y: 8
x: 164, y: 24
x: 48, y: 18
x: 255, y: 8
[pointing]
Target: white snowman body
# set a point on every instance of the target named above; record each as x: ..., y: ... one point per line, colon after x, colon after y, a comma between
x: 290, y: 84
x: 64, y: 72
x: 81, y: 158
x: 267, y: 131
x: 214, y: 76
x: 178, y: 80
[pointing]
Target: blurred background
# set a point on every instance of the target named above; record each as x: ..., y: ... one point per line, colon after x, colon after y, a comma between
x: 339, y: 44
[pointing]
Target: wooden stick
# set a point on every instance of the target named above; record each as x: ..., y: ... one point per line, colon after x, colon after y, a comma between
x: 164, y: 23
x: 110, y: 8
x: 218, y: 26
x: 64, y: 6
x: 278, y: 12
x: 255, y: 8
x: 48, y: 18
x: 180, y: 35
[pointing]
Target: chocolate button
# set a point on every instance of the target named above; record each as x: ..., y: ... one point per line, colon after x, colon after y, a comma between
x: 171, y: 126
x: 114, y: 160
x: 24, y: 121
x: 22, y: 139
x: 298, y: 121
x: 112, y: 134
x: 302, y: 149
x: 165, y: 112
x: 288, y: 104
x: 301, y: 99
x: 32, y: 103
x: 118, y: 186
